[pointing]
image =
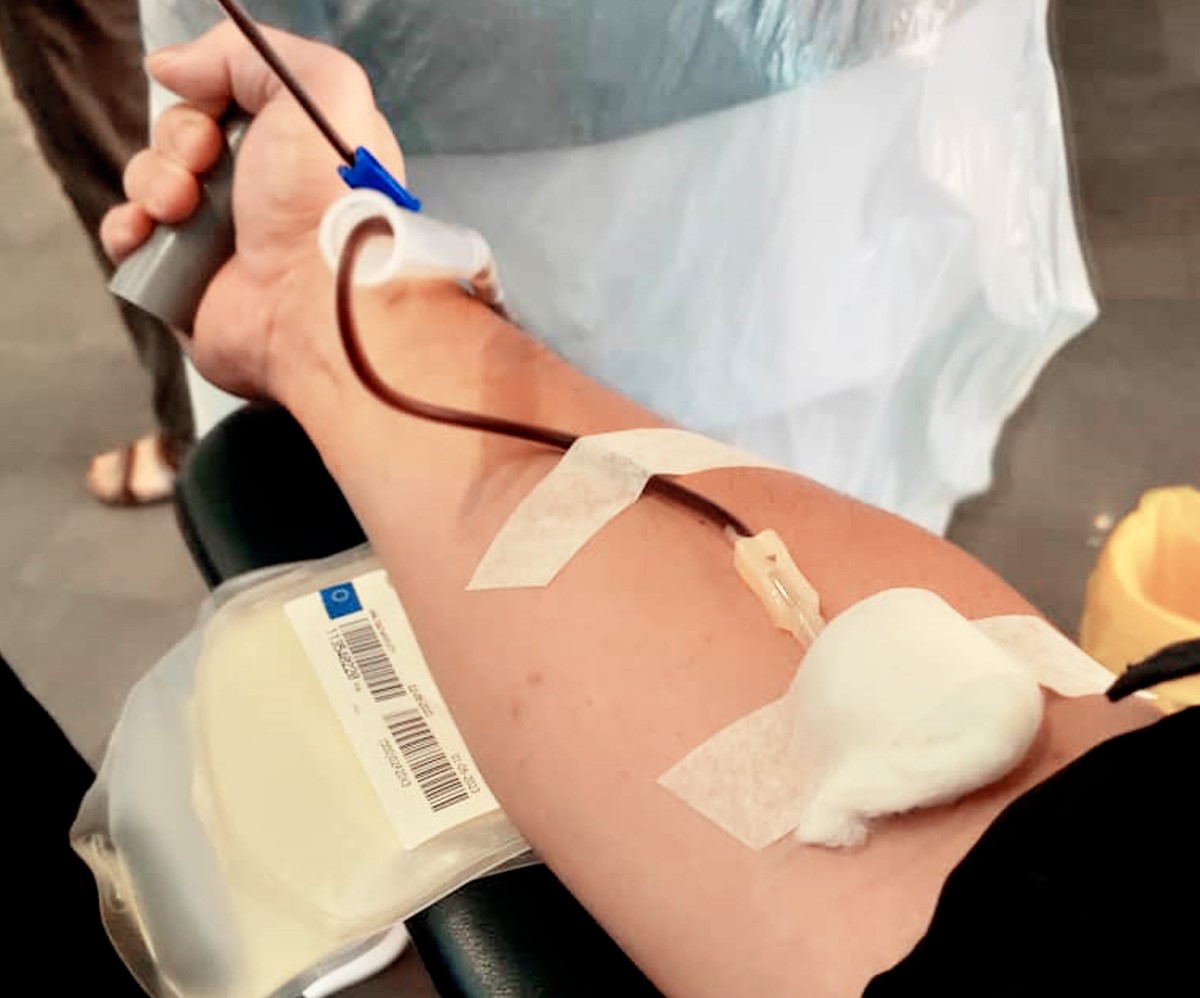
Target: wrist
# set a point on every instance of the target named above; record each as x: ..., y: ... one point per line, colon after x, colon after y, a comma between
x: 421, y: 337
x: 302, y: 348
x: 438, y: 345
x: 306, y: 357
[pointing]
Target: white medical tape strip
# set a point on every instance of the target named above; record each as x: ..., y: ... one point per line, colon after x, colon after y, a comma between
x: 830, y: 753
x: 748, y: 778
x: 597, y: 478
x: 1053, y: 660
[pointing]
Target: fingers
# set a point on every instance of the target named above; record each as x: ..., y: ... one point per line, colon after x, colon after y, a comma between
x: 221, y: 66
x: 123, y: 229
x: 168, y: 191
x: 162, y: 179
x: 188, y: 136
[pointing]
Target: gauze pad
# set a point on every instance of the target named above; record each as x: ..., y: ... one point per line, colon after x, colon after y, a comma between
x: 900, y: 703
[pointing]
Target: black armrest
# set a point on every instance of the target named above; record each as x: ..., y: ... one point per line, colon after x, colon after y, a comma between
x: 254, y: 493
x: 521, y: 934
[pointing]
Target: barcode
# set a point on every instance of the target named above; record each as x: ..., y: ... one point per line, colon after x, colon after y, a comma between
x: 437, y: 779
x: 371, y: 660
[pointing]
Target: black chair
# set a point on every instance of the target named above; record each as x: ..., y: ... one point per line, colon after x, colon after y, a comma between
x: 254, y: 493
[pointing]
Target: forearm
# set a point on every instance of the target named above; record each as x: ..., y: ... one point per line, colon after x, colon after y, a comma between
x: 577, y: 697
x: 442, y: 347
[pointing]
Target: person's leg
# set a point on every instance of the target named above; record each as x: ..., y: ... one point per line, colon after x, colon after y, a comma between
x: 57, y: 933
x: 160, y: 354
x: 76, y: 66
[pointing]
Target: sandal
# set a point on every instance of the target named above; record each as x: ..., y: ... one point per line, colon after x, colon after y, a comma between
x: 140, y: 474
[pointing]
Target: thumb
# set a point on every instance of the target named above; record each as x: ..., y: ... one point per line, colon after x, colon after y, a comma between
x: 222, y: 66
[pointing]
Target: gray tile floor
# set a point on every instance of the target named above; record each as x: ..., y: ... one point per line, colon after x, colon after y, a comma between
x: 89, y: 597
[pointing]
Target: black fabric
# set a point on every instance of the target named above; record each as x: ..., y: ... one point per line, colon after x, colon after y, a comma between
x: 53, y: 934
x: 1086, y: 885
x: 254, y: 493
x: 1176, y: 661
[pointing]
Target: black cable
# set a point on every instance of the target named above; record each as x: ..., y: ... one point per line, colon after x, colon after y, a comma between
x: 1176, y: 661
x: 556, y: 439
x: 238, y: 14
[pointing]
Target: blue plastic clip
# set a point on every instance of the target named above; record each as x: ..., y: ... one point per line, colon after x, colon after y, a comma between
x: 368, y: 172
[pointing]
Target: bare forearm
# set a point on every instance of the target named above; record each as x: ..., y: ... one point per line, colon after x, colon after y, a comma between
x: 442, y: 347
x: 575, y: 698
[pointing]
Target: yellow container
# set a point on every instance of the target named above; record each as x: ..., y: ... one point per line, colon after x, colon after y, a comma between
x: 1144, y: 592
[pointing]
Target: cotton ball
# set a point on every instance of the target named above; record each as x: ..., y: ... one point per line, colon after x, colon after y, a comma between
x: 902, y: 703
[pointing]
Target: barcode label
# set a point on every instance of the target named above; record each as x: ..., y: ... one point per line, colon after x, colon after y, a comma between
x: 371, y: 660
x: 367, y: 659
x: 437, y: 779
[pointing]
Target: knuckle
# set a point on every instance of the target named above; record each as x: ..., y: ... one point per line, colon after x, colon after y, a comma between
x: 135, y: 171
x: 352, y: 78
x: 185, y: 135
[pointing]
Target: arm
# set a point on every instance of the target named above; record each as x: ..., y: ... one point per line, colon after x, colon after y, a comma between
x: 577, y: 697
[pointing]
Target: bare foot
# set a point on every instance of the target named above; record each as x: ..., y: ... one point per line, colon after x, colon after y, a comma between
x: 139, y: 474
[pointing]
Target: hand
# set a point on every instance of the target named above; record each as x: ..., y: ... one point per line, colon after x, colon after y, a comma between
x: 271, y: 305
